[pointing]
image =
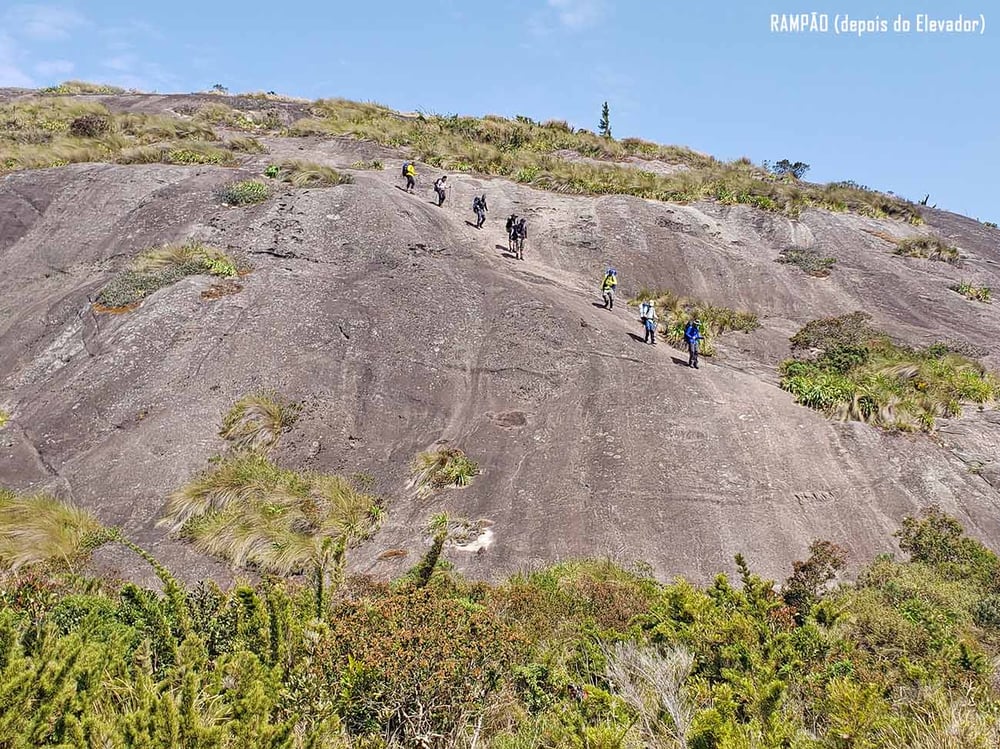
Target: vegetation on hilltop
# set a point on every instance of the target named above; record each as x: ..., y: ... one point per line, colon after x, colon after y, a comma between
x: 579, y: 655
x: 527, y: 151
x: 858, y: 373
x: 58, y: 130
x: 47, y: 131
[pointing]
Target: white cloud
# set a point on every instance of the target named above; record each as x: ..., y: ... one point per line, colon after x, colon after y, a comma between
x: 51, y: 68
x: 11, y: 73
x: 43, y: 22
x: 577, y: 14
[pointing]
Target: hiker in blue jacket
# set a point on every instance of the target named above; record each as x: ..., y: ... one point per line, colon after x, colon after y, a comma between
x: 692, y: 334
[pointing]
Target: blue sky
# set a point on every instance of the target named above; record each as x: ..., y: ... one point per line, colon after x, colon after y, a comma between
x: 913, y: 113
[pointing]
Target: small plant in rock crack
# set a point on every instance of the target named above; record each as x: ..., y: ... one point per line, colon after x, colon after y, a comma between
x: 161, y: 266
x: 971, y: 291
x: 244, y: 192
x: 928, y: 247
x: 437, y: 469
x: 809, y: 261
x: 256, y: 421
x: 4, y: 418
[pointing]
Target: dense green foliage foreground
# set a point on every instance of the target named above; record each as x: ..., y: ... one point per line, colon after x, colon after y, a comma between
x: 582, y: 654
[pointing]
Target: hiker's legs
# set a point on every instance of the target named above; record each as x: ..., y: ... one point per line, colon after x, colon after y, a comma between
x: 693, y: 354
x: 648, y: 328
x: 410, y: 182
x: 611, y: 298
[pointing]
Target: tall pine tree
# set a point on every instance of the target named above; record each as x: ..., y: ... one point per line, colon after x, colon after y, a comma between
x: 605, y: 127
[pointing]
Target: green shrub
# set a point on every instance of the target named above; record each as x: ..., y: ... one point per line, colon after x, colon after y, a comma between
x: 160, y: 267
x: 990, y: 224
x: 971, y: 291
x: 859, y: 374
x: 810, y: 261
x: 437, y: 469
x: 246, y: 145
x: 244, y: 192
x: 90, y: 126
x: 374, y: 164
x: 986, y: 612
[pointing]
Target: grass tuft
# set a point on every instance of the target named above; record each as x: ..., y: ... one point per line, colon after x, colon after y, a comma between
x: 436, y: 469
x: 674, y: 311
x: 809, y: 261
x: 159, y: 267
x: 246, y: 144
x: 256, y: 421
x: 971, y: 291
x: 307, y: 174
x: 40, y: 528
x: 928, y: 247
x: 4, y: 418
x: 244, y: 192
x: 373, y: 164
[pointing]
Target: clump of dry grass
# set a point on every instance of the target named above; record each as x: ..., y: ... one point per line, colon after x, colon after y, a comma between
x: 308, y: 174
x: 929, y: 247
x: 256, y: 421
x: 444, y: 467
x: 39, y: 528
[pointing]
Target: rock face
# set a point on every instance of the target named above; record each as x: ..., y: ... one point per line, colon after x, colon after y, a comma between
x: 400, y: 326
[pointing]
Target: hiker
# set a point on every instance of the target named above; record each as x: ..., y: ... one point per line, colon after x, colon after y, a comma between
x: 410, y: 172
x: 608, y: 288
x: 520, y: 234
x: 479, y: 207
x: 440, y: 185
x: 692, y: 334
x: 649, y: 318
x: 511, y: 235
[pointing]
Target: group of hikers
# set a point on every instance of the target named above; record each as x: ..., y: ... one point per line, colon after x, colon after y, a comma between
x: 517, y: 232
x: 517, y: 227
x: 649, y: 318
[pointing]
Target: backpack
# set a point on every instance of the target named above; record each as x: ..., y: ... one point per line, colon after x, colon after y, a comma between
x: 406, y: 165
x: 510, y: 223
x: 644, y: 310
x: 476, y: 203
x: 522, y: 229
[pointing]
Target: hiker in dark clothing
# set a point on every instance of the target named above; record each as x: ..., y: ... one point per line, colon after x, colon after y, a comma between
x: 479, y: 207
x: 520, y: 232
x: 692, y: 334
x: 511, y: 223
x: 440, y: 185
